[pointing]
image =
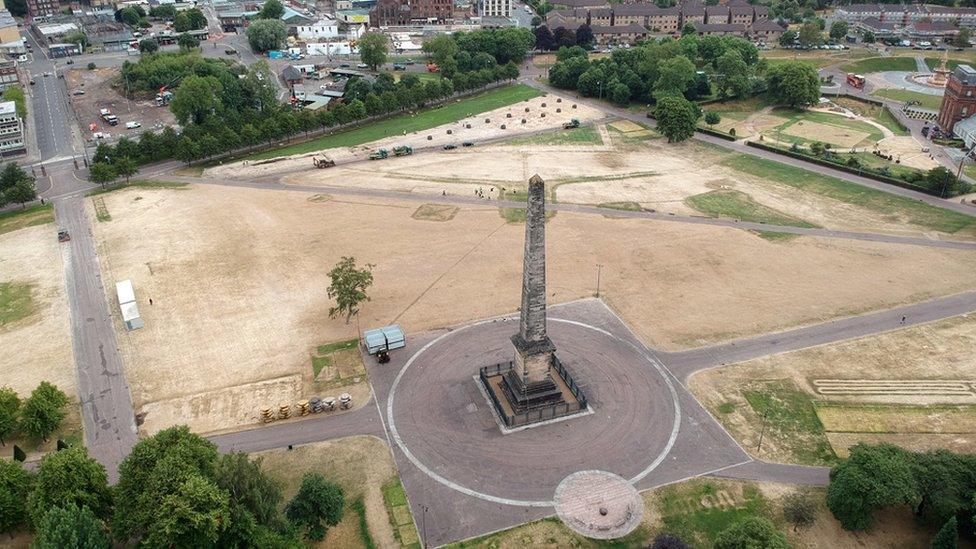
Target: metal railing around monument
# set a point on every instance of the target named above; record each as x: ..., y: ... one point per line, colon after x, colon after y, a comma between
x: 541, y: 414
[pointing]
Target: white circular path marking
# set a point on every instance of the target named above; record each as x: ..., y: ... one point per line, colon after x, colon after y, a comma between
x: 676, y: 423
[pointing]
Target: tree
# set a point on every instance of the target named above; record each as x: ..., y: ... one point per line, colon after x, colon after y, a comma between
x: 193, y: 516
x: 668, y: 541
x: 868, y: 37
x: 948, y: 536
x: 736, y: 78
x: 688, y: 29
x: 9, y: 408
x: 66, y: 477
x: 102, y: 173
x: 43, y: 411
x: 873, y: 477
x: 196, y: 19
x: 348, y: 287
x: 584, y: 35
x: 21, y: 193
x: 187, y: 41
x: 793, y: 83
x: 316, y: 507
x: 619, y: 93
x: 126, y: 167
x: 788, y: 38
x: 799, y: 509
x: 372, y: 49
x: 940, y: 180
x: 750, y: 533
x: 17, y: 7
x: 128, y: 15
x: 148, y: 45
x: 15, y: 485
x: 676, y: 117
x: 266, y: 34
x: 249, y: 486
x: 196, y: 98
x: 159, y: 467
x: 810, y: 34
x: 70, y: 526
x: 272, y: 10
x: 77, y: 37
x: 676, y: 75
x: 712, y: 118
x: 961, y: 39
x: 838, y: 30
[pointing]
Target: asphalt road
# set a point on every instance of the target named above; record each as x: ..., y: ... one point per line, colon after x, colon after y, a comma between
x: 106, y: 405
x: 52, y: 119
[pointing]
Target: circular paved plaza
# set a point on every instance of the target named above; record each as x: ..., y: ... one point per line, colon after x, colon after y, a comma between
x: 443, y: 423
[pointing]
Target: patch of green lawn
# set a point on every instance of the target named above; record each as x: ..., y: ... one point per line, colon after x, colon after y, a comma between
x: 697, y: 511
x: 407, y: 123
x: 337, y: 346
x: 625, y: 206
x: 739, y: 205
x: 15, y: 302
x: 20, y: 219
x: 926, y: 101
x: 951, y: 64
x: 791, y: 421
x: 912, y: 211
x: 364, y: 536
x: 140, y: 184
x: 874, y: 134
x: 583, y: 135
x: 880, y: 64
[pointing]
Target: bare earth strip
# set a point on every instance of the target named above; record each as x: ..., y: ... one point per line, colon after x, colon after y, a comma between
x: 36, y: 348
x: 238, y: 278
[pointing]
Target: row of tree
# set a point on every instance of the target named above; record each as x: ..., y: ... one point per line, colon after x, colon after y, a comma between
x: 37, y: 417
x: 221, y: 112
x: 938, y: 486
x: 174, y: 490
x: 16, y: 186
x: 477, y: 50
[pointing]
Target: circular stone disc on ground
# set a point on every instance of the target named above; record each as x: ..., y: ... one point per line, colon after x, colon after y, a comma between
x: 599, y: 505
x: 443, y: 421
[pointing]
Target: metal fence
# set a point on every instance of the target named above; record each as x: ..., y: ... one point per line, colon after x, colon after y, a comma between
x: 541, y: 414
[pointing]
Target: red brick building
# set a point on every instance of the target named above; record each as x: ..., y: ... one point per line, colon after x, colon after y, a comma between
x: 432, y: 10
x: 959, y: 101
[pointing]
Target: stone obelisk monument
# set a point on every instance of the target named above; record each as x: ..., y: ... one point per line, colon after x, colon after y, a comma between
x: 534, y: 387
x: 533, y: 348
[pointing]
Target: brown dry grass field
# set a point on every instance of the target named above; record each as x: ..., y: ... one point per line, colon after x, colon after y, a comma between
x: 37, y: 347
x: 238, y: 278
x: 936, y: 351
x: 361, y: 465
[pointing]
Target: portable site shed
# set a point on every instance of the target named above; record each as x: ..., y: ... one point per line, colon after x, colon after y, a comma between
x: 127, y: 304
x: 385, y: 338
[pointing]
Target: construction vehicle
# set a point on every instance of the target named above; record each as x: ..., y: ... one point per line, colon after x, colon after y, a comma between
x: 855, y: 80
x: 63, y: 236
x: 403, y: 150
x: 324, y: 162
x: 163, y: 97
x: 574, y: 123
x: 432, y: 67
x: 108, y: 117
x: 379, y: 155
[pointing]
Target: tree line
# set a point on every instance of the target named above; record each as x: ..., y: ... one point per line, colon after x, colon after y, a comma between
x: 37, y: 417
x: 16, y: 186
x: 174, y: 490
x: 223, y: 107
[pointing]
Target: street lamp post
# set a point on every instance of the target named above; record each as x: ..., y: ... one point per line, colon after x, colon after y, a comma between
x: 599, y: 270
x: 423, y: 527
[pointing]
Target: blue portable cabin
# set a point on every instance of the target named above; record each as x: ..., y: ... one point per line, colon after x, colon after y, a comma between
x: 388, y: 338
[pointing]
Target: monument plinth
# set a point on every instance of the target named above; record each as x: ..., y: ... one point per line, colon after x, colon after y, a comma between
x: 534, y: 386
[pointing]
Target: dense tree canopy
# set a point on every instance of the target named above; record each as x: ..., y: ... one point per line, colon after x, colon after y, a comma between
x: 16, y: 187
x: 272, y: 9
x: 196, y: 98
x: 15, y: 485
x: 676, y: 117
x: 70, y: 526
x: 751, y: 533
x: 266, y: 34
x: 373, y: 47
x: 317, y: 506
x: 793, y: 83
x: 66, y: 477
x: 43, y: 411
x: 873, y: 477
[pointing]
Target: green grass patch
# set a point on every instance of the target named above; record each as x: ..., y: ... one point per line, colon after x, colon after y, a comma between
x: 934, y: 62
x: 698, y: 511
x: 411, y: 122
x: 829, y: 119
x: 625, y: 206
x: 16, y: 302
x: 551, y: 532
x: 140, y: 184
x: 776, y: 236
x: 739, y: 205
x: 398, y: 513
x: 319, y: 363
x: 364, y: 535
x: 878, y: 113
x: 888, y: 120
x: 726, y: 407
x: 791, y: 421
x: 880, y: 64
x: 517, y: 215
x: 911, y: 211
x: 393, y: 494
x: 583, y: 135
x: 926, y: 101
x: 30, y: 217
x: 337, y: 346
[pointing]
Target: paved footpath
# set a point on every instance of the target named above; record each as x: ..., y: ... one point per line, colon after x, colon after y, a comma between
x: 109, y: 423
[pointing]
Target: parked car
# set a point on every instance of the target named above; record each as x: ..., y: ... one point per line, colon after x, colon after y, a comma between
x: 69, y: 62
x: 132, y: 125
x: 344, y: 65
x: 78, y: 92
x: 467, y: 144
x: 449, y: 147
x: 399, y: 67
x: 362, y: 66
x: 100, y: 135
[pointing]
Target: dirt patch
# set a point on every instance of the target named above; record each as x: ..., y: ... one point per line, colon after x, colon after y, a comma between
x: 435, y: 212
x: 959, y: 443
x: 826, y: 133
x: 361, y: 465
x: 909, y: 151
x: 101, y: 89
x: 37, y: 347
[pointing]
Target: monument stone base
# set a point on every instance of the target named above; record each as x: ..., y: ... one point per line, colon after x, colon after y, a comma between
x: 519, y: 402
